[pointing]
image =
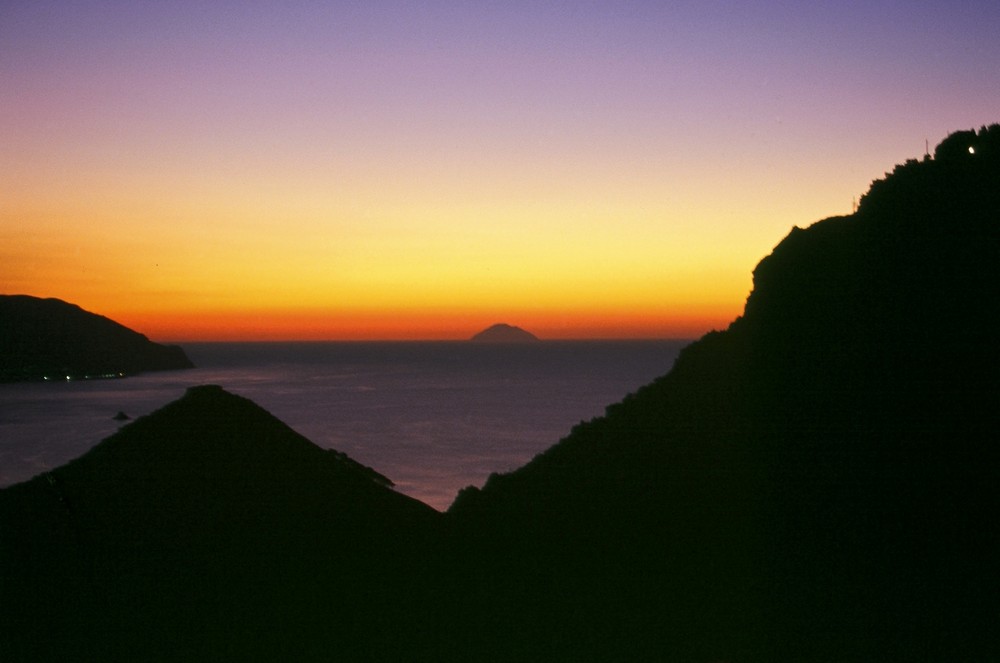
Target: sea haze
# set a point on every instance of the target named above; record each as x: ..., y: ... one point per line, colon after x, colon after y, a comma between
x: 432, y: 416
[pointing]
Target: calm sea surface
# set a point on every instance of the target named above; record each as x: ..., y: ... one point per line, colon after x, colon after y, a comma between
x: 432, y: 416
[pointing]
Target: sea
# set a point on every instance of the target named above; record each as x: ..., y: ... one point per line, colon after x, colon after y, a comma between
x: 433, y: 417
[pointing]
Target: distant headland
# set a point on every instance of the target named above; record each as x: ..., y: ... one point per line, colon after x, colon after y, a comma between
x: 49, y: 339
x: 504, y: 333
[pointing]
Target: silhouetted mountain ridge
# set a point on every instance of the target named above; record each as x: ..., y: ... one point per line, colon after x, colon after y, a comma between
x: 208, y: 510
x: 816, y: 482
x: 51, y: 339
x: 821, y: 476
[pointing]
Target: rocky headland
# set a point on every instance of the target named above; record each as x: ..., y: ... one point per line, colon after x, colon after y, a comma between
x: 49, y: 339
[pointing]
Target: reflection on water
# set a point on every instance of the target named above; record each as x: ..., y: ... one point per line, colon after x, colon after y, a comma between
x: 433, y: 417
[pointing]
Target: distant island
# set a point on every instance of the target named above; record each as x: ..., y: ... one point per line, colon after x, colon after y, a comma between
x: 49, y: 339
x: 504, y: 333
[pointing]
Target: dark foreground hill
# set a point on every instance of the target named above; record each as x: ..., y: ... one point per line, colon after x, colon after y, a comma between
x: 208, y: 528
x: 50, y: 339
x: 817, y: 482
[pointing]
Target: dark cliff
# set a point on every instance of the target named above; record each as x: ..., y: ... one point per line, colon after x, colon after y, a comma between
x: 816, y: 482
x: 51, y: 339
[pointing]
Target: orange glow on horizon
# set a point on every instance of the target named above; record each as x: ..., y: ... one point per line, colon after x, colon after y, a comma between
x: 311, y: 325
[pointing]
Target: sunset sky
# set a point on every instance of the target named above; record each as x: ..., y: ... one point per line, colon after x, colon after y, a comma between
x: 341, y: 170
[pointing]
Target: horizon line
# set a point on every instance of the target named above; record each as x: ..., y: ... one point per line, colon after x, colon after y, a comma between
x: 575, y: 339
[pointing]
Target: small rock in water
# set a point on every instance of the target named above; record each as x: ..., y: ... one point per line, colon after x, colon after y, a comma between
x: 121, y: 416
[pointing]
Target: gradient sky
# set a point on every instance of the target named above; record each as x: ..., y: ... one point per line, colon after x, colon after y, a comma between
x: 294, y: 170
